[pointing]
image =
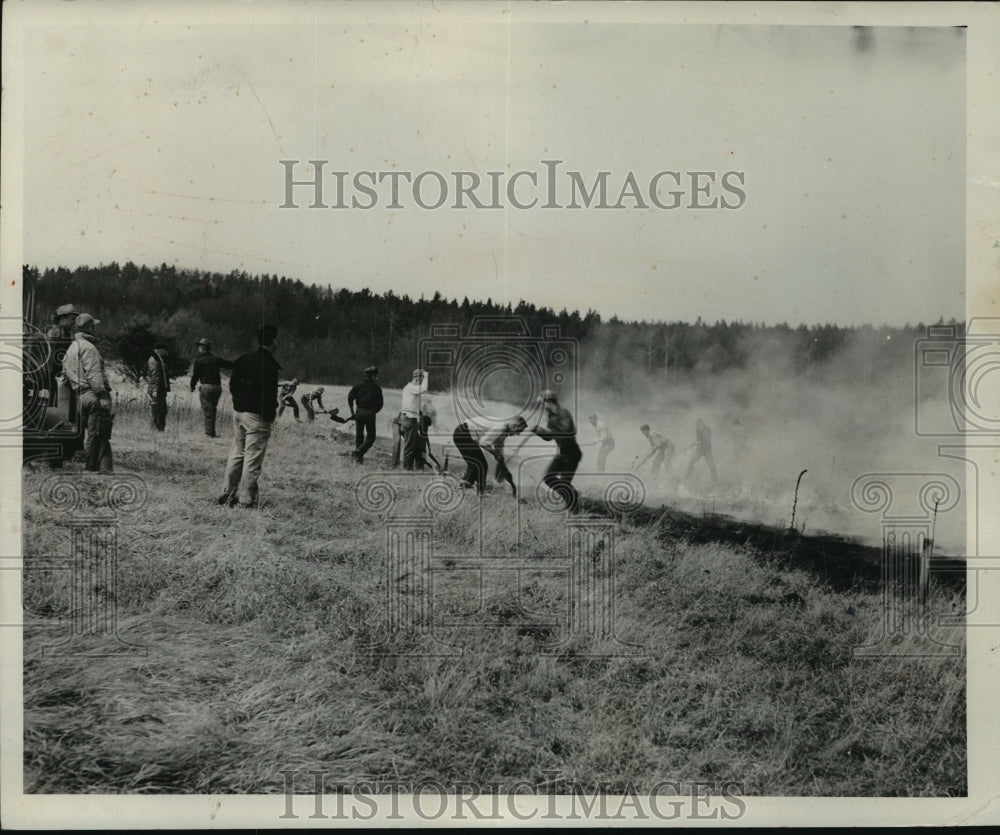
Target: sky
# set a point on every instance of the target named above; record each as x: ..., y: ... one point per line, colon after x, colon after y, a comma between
x: 151, y: 140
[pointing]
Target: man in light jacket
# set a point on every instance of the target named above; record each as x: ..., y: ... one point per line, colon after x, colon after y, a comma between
x: 83, y: 367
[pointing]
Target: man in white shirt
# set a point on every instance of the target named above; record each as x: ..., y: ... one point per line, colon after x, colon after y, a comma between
x: 409, y: 419
x: 605, y: 442
x: 661, y: 450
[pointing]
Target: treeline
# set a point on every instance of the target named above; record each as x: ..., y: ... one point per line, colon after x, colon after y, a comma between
x: 329, y: 335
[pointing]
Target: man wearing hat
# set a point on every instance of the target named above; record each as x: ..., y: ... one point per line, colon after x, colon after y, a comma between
x: 60, y: 337
x: 254, y: 386
x: 409, y: 419
x: 206, y: 372
x: 365, y: 401
x: 561, y: 429
x: 159, y: 384
x: 84, y: 370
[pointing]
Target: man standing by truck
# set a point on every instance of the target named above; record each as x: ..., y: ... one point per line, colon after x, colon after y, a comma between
x: 84, y: 370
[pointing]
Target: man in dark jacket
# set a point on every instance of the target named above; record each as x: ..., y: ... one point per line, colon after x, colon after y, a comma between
x: 365, y: 401
x: 561, y: 429
x: 159, y: 385
x: 206, y: 372
x: 254, y: 386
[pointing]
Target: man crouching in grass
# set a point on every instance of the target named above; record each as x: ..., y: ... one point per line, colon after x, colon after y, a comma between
x: 253, y: 385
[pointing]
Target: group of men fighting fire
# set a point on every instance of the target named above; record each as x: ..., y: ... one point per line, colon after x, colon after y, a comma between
x: 260, y: 397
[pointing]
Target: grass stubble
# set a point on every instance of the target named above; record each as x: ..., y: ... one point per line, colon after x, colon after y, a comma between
x: 258, y: 629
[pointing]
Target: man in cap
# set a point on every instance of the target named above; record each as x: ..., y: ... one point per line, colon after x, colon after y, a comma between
x: 286, y: 397
x: 253, y: 385
x: 84, y: 370
x: 60, y: 337
x: 605, y: 442
x: 661, y: 450
x: 473, y: 436
x: 63, y: 323
x: 561, y: 429
x: 409, y: 419
x: 365, y: 401
x: 206, y: 372
x: 158, y: 385
x: 312, y: 401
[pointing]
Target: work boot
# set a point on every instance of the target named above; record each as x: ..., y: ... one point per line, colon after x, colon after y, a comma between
x: 229, y: 499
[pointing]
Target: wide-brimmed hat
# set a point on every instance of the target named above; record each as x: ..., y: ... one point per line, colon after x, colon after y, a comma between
x: 161, y: 346
x: 547, y: 396
x: 206, y: 342
x: 84, y: 319
x: 371, y: 371
x: 66, y: 310
x: 419, y: 371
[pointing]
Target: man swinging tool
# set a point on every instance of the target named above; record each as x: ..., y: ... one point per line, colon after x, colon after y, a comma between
x: 472, y: 437
x: 661, y: 451
x: 561, y: 429
x: 702, y: 449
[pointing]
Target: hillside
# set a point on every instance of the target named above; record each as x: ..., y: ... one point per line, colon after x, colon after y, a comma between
x: 256, y: 642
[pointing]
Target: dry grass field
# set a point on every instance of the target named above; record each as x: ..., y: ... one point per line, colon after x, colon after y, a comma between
x: 253, y: 642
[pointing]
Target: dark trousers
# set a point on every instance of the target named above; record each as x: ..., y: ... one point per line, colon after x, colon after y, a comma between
x: 706, y: 453
x: 209, y: 395
x: 472, y: 453
x: 397, y: 441
x: 559, y: 475
x: 409, y: 431
x: 97, y: 441
x: 159, y: 410
x: 289, y: 401
x: 310, y: 412
x: 364, y: 431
